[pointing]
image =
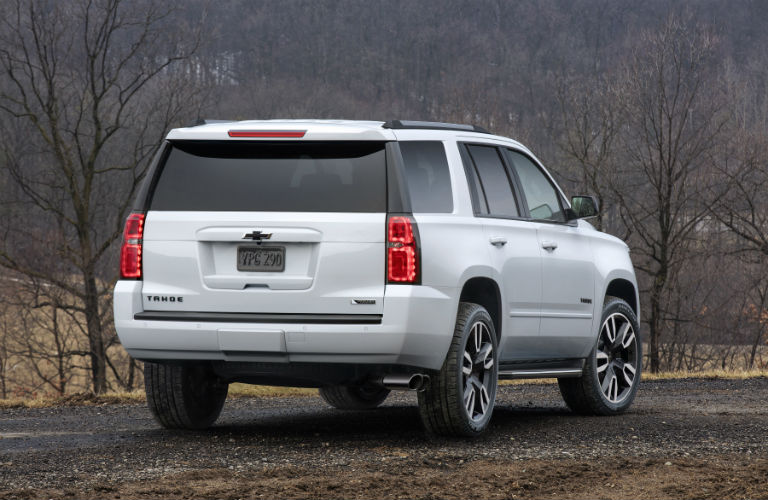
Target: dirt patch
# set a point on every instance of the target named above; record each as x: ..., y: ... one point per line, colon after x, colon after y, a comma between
x: 715, y: 478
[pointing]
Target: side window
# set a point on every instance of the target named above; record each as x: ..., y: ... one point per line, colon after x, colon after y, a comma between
x: 426, y: 169
x: 541, y: 196
x: 494, y: 181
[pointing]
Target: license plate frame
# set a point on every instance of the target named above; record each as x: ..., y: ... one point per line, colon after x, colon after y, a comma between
x: 254, y: 250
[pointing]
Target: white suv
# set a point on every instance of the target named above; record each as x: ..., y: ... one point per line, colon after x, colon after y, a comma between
x: 363, y: 257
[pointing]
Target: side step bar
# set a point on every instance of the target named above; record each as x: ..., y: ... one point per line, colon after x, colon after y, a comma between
x: 562, y: 373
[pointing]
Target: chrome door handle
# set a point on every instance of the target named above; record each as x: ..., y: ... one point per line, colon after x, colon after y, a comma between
x: 498, y: 241
x: 549, y: 245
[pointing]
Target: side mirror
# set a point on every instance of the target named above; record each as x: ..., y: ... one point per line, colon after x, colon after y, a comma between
x: 584, y: 207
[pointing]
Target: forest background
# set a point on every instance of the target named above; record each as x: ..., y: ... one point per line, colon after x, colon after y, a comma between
x: 657, y: 108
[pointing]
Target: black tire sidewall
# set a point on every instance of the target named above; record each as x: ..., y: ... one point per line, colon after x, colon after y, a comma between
x: 612, y: 307
x: 477, y: 314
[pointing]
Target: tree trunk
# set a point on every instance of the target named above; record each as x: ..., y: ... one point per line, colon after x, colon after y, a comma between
x: 753, y: 352
x: 131, y: 374
x: 95, y: 336
x: 2, y: 379
x: 655, y: 322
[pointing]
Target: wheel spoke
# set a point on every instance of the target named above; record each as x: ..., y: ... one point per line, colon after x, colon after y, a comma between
x: 485, y: 399
x: 466, y: 367
x: 610, y: 376
x: 610, y: 330
x: 629, y: 373
x: 485, y: 352
x: 619, y: 337
x: 602, y: 361
x: 488, y: 363
x: 628, y: 336
x: 469, y: 399
x: 478, y: 335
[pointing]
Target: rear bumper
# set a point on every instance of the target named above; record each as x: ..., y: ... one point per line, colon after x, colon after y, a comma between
x: 415, y: 329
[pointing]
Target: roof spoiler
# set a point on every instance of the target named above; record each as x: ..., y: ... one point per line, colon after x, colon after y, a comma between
x: 208, y: 121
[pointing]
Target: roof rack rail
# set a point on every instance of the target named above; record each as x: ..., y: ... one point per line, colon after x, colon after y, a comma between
x: 410, y: 124
x: 208, y: 121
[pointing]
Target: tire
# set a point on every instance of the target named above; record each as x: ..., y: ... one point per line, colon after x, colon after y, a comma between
x: 184, y: 396
x: 353, y: 397
x: 443, y: 407
x: 611, y: 373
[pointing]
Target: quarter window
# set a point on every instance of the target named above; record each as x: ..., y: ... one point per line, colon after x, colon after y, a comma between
x: 429, y: 182
x: 540, y: 195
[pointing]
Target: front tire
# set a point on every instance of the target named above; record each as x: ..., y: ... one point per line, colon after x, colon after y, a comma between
x: 353, y: 397
x: 611, y: 373
x: 184, y: 396
x: 460, y: 398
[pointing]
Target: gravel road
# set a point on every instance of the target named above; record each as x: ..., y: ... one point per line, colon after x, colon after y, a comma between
x: 690, y: 438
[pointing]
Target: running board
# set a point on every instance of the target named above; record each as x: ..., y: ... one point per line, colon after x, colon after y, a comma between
x: 563, y: 373
x: 542, y: 368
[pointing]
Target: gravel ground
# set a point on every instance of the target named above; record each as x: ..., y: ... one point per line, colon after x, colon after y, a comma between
x: 688, y: 438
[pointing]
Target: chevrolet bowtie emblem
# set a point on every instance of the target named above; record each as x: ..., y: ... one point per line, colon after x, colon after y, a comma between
x: 257, y: 236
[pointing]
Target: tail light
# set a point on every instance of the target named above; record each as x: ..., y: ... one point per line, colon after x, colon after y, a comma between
x: 402, y: 250
x: 130, y: 253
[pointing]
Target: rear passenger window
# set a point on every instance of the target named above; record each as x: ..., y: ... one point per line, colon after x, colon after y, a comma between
x: 494, y: 181
x: 429, y: 182
x: 543, y: 201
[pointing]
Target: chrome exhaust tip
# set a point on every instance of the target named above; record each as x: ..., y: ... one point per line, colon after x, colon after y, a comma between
x: 413, y: 382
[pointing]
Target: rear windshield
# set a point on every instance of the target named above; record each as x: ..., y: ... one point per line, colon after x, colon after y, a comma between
x: 273, y: 177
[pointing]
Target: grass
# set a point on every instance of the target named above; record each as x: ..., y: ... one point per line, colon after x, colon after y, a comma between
x: 704, y: 374
x: 267, y: 391
x: 138, y: 396
x: 238, y: 390
x: 78, y: 399
x: 721, y: 374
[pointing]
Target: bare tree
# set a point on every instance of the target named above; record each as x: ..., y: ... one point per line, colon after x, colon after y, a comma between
x: 88, y: 88
x: 671, y: 126
x: 741, y: 193
x: 42, y: 336
x: 590, y: 126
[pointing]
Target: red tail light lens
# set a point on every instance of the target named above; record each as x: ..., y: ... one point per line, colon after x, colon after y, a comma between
x: 130, y: 253
x: 286, y: 134
x: 402, y: 250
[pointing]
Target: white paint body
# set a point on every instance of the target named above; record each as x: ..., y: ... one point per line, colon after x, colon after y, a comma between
x: 334, y: 258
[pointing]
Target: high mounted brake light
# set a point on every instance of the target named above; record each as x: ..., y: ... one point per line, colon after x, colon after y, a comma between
x: 282, y: 134
x: 402, y: 250
x: 130, y: 253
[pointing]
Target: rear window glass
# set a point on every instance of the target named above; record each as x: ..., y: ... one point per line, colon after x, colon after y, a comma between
x: 429, y: 182
x: 273, y: 177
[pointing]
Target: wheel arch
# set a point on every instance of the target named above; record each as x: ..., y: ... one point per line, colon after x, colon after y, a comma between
x: 623, y: 289
x: 484, y: 291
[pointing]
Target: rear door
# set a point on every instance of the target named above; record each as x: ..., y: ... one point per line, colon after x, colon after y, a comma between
x: 259, y: 227
x: 568, y: 285
x: 514, y: 250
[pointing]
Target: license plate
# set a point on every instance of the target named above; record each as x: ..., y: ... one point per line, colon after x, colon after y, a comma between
x: 264, y: 259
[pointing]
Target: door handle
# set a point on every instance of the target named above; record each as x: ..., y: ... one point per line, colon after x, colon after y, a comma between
x: 498, y: 241
x: 549, y: 245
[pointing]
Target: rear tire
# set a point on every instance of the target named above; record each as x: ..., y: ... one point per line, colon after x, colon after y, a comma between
x: 611, y: 373
x: 460, y: 397
x: 353, y: 397
x: 184, y: 396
